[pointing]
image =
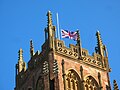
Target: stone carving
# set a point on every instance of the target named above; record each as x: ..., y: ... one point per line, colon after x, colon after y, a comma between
x: 45, y: 68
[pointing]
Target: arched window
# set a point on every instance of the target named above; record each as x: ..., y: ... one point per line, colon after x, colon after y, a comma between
x: 91, y: 83
x: 68, y: 82
x: 72, y: 80
x: 86, y: 87
x: 72, y: 84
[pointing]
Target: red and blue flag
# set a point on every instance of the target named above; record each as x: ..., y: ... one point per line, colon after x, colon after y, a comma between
x: 69, y: 34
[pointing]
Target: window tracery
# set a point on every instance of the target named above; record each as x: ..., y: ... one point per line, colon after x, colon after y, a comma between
x: 72, y: 80
x: 91, y: 84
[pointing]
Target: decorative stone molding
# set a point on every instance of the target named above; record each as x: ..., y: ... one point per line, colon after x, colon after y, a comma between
x: 72, y: 52
x: 45, y: 68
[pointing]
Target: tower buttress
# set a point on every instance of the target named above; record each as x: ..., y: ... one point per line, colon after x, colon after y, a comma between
x: 50, y: 31
x: 31, y: 48
x: 49, y: 19
x: 21, y: 64
x: 100, y: 47
x: 79, y: 44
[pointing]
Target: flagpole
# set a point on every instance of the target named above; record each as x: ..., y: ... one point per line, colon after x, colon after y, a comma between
x: 58, y: 26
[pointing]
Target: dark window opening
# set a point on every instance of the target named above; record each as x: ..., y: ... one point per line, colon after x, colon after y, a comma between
x: 29, y: 88
x: 52, y: 84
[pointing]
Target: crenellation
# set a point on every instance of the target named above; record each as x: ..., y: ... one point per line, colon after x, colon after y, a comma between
x: 58, y: 67
x: 62, y: 49
x: 84, y: 52
x: 59, y: 43
x: 74, y: 48
x: 71, y: 52
x: 97, y: 57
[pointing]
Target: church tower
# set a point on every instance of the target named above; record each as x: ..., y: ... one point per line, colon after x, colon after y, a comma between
x: 57, y: 67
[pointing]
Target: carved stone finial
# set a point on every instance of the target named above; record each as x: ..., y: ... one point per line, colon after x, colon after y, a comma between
x: 99, y: 37
x: 79, y: 44
x: 99, y: 48
x: 20, y: 53
x: 45, y: 68
x: 21, y: 66
x: 31, y: 43
x: 31, y: 48
x: 50, y: 32
x: 115, y: 85
x: 49, y: 18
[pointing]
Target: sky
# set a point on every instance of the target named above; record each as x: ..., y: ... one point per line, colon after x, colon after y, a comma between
x: 23, y: 20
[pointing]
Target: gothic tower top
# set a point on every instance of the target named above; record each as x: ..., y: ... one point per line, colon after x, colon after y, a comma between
x: 49, y: 18
x: 58, y: 67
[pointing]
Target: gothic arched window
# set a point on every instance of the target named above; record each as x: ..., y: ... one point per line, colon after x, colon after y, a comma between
x: 72, y: 80
x: 91, y: 83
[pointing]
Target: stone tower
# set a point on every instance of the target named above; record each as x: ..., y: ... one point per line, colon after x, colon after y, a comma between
x: 57, y: 67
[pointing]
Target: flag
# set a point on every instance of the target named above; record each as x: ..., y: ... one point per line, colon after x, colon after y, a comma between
x: 69, y: 34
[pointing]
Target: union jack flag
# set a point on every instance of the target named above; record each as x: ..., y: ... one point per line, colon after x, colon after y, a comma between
x: 69, y: 34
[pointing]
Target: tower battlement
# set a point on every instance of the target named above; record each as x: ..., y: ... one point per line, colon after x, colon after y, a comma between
x: 72, y: 52
x: 58, y: 67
